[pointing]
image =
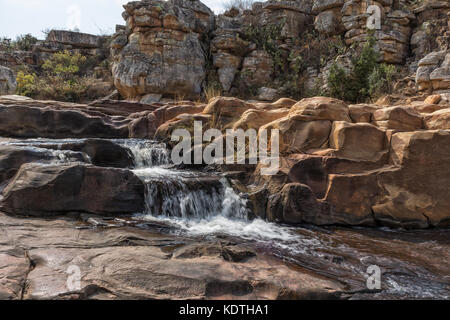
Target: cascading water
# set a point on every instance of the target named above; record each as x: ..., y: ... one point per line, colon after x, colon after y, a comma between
x: 204, y: 205
x: 185, y: 195
x: 200, y: 204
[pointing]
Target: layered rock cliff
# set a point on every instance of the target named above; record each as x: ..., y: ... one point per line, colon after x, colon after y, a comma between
x: 278, y: 48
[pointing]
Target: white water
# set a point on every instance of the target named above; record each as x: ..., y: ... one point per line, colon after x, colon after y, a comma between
x: 199, y: 205
x: 174, y: 198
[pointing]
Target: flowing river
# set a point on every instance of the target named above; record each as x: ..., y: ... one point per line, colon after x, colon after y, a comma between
x: 204, y: 206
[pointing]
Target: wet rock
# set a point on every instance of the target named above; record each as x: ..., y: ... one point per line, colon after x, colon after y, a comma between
x: 12, y: 158
x: 226, y: 251
x: 102, y: 153
x: 296, y: 203
x: 55, y: 189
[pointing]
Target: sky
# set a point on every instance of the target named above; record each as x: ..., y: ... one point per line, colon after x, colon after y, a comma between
x: 19, y: 17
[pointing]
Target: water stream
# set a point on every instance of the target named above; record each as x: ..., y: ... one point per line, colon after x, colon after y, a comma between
x: 415, y: 264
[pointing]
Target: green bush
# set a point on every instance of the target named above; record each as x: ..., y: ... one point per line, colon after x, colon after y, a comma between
x: 61, y: 79
x: 23, y: 43
x: 366, y: 80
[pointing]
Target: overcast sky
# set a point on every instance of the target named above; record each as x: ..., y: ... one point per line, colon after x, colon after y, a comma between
x: 92, y: 16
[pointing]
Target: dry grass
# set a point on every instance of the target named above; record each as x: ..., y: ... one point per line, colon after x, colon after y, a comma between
x: 211, y: 92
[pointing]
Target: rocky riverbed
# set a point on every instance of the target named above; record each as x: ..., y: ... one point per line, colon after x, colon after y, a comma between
x: 85, y: 193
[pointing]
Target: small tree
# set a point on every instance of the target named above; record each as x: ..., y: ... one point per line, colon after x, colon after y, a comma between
x: 366, y: 80
x: 25, y: 42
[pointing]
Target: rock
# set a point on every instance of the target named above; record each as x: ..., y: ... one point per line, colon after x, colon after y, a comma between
x: 74, y: 39
x: 228, y: 252
x: 352, y: 197
x: 183, y: 121
x: 440, y: 78
x: 255, y: 118
x: 12, y: 157
x: 398, y: 118
x: 165, y: 53
x: 432, y: 59
x: 225, y: 111
x: 438, y: 120
x: 320, y: 108
x: 297, y: 135
x: 392, y: 39
x: 433, y: 73
x: 102, y: 153
x: 8, y: 82
x: 14, y: 267
x: 55, y: 189
x: 267, y: 94
x: 362, y: 112
x: 322, y: 5
x: 257, y: 68
x: 433, y: 99
x: 151, y: 98
x: 143, y: 127
x: 361, y: 141
x: 34, y: 122
x: 415, y: 195
x: 329, y: 22
x: 296, y: 203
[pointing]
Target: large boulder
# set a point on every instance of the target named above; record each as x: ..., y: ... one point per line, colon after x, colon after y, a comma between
x: 298, y: 135
x: 398, y: 118
x: 55, y: 189
x: 8, y: 82
x: 225, y: 111
x: 321, y: 108
x: 417, y: 193
x: 12, y: 157
x: 102, y: 153
x: 439, y: 119
x: 346, y: 138
x: 162, y: 50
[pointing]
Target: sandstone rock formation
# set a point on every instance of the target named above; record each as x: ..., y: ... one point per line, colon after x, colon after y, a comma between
x: 433, y: 73
x: 162, y: 50
x: 357, y: 164
x: 49, y: 189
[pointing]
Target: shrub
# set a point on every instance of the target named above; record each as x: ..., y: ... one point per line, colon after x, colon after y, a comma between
x: 367, y: 78
x: 22, y: 43
x: 25, y: 42
x: 61, y: 79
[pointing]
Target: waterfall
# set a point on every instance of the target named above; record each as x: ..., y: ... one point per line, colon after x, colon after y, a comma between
x: 147, y: 153
x: 187, y: 195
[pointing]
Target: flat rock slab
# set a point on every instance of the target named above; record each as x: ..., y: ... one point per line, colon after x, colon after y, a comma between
x: 128, y: 263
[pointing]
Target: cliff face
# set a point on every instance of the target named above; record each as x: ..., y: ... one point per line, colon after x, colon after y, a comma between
x: 180, y: 48
x: 163, y: 49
